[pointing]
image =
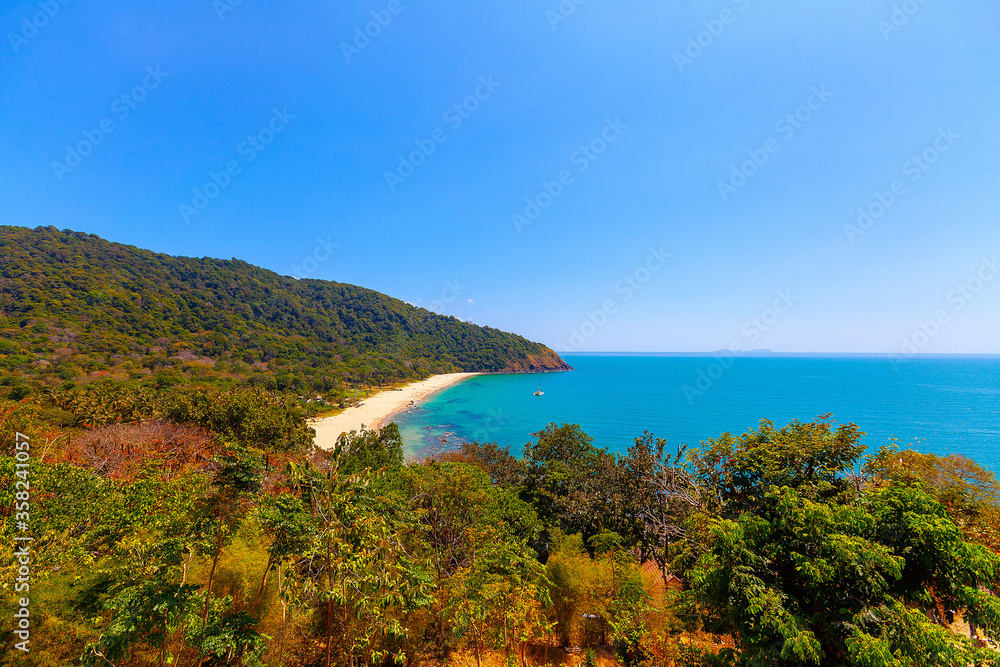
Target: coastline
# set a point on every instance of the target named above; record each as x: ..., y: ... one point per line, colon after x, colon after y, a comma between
x: 378, y: 410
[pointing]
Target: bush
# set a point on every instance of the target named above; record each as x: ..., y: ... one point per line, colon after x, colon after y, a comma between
x: 250, y: 416
x: 18, y: 392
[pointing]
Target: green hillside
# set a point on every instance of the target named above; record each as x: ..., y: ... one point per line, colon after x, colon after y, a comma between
x: 74, y: 307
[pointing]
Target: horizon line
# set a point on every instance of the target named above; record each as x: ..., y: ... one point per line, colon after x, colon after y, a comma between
x: 769, y: 353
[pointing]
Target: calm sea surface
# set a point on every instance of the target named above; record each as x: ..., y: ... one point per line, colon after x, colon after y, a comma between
x: 942, y: 405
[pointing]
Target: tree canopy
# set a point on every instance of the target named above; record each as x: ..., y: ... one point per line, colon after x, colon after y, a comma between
x: 220, y: 541
x: 74, y: 307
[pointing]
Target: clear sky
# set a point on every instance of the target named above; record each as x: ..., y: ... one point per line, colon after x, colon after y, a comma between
x: 738, y: 137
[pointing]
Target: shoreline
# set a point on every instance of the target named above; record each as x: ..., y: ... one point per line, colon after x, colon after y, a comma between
x: 378, y: 410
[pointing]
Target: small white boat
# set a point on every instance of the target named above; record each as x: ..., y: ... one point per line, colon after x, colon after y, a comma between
x: 539, y: 392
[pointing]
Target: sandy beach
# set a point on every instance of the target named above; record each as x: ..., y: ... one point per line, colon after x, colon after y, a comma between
x: 379, y: 409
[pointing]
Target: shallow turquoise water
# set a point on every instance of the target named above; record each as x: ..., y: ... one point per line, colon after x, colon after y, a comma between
x: 943, y: 405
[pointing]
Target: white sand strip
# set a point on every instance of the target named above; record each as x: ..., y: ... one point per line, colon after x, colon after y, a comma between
x: 378, y: 410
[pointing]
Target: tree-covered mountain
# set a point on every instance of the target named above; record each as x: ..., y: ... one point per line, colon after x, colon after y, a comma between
x: 74, y: 307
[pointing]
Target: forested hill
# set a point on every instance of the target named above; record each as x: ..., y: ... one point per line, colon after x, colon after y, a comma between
x: 74, y: 306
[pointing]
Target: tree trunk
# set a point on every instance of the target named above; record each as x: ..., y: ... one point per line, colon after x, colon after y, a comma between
x: 475, y: 638
x: 163, y: 647
x: 329, y: 605
x: 663, y: 564
x: 260, y: 591
x: 211, y: 574
x: 184, y: 569
x: 440, y: 633
x: 211, y: 579
x: 284, y: 619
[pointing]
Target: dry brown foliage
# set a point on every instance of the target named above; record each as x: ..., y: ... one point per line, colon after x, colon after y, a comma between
x: 120, y: 451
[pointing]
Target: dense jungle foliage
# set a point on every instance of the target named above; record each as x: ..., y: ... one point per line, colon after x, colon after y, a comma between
x: 203, y: 529
x: 75, y: 308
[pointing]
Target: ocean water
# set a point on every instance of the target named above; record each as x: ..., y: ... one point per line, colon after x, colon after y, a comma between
x: 941, y: 405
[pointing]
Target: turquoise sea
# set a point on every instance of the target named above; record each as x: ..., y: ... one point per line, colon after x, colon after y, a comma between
x: 942, y: 404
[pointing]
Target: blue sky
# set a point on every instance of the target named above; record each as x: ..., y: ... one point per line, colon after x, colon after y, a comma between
x: 618, y: 99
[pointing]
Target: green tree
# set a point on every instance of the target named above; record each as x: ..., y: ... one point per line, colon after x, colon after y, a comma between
x: 460, y: 518
x: 505, y: 470
x: 655, y: 499
x: 736, y: 472
x: 564, y: 479
x: 370, y: 449
x: 360, y: 574
x: 290, y: 526
x: 237, y: 478
x: 803, y: 567
x: 520, y: 588
x: 146, y: 614
x: 232, y: 639
x: 968, y: 491
x: 480, y: 589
